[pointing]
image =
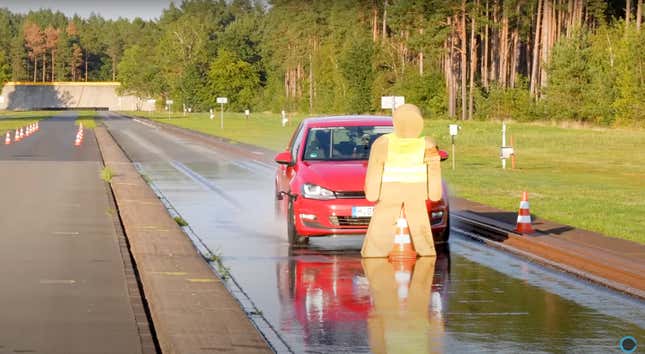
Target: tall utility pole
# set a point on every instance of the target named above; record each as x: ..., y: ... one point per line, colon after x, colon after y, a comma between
x: 464, y: 63
x: 536, y: 51
x: 473, y: 61
x: 385, y: 20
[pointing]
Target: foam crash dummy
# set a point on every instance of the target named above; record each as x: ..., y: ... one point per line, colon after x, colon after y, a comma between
x: 403, y: 171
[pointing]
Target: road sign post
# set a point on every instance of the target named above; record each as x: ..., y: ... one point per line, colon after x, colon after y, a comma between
x: 169, y: 106
x: 506, y: 151
x: 222, y: 101
x: 454, y: 130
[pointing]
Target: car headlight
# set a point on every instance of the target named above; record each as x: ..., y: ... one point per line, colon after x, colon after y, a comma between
x: 314, y: 191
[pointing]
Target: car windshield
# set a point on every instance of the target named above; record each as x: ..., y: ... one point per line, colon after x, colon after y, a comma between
x: 342, y: 143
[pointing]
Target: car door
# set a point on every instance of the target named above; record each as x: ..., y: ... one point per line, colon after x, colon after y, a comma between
x: 287, y: 172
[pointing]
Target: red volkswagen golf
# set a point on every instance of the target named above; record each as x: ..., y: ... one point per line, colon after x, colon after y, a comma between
x: 321, y: 176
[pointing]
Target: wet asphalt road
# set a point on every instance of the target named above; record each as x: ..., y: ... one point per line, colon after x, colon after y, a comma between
x: 323, y: 298
x: 63, y: 281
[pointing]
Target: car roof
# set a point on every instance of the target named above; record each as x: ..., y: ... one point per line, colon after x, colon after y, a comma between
x: 347, y: 120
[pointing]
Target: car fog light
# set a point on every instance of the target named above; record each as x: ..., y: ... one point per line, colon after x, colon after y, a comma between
x: 308, y: 217
x: 437, y: 214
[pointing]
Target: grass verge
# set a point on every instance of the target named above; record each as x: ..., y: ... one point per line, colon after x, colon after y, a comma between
x: 11, y: 121
x: 87, y: 118
x: 591, y: 178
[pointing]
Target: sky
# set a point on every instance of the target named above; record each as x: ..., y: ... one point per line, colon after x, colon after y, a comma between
x: 108, y: 9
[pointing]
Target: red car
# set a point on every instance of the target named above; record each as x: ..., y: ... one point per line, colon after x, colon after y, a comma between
x: 321, y: 176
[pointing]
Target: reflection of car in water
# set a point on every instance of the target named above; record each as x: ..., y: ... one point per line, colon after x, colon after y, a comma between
x: 335, y: 298
x: 323, y: 173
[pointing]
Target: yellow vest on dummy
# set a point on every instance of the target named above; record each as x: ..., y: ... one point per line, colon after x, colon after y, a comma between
x: 405, y: 160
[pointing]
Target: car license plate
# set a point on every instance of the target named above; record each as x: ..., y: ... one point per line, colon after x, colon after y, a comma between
x: 362, y: 212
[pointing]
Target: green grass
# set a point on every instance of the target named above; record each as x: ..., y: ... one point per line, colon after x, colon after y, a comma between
x: 591, y: 178
x: 87, y: 118
x: 10, y: 120
x: 107, y: 174
x: 262, y: 129
x: 180, y: 221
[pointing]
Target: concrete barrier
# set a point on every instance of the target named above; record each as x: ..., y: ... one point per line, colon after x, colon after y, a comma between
x: 68, y: 95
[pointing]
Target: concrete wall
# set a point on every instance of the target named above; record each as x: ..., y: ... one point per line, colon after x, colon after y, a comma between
x: 70, y: 95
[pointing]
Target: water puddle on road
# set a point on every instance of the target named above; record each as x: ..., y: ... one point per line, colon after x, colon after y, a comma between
x: 323, y: 298
x: 337, y: 302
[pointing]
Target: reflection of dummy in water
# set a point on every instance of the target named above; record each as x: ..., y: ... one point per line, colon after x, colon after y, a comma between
x: 400, y: 321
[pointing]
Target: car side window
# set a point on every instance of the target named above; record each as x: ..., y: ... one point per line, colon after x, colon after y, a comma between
x: 297, y: 141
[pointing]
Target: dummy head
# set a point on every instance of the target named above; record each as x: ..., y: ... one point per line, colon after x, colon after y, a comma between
x: 408, y: 122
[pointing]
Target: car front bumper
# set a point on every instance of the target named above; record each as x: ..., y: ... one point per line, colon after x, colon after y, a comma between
x: 334, y: 217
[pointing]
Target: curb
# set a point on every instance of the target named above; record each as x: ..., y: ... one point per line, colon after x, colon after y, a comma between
x: 190, y: 307
x: 140, y: 307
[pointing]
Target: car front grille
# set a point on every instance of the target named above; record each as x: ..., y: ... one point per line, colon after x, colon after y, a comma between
x: 362, y: 222
x: 348, y: 221
x: 350, y: 195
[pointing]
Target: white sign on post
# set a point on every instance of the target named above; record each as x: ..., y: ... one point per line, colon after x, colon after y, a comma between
x: 392, y: 102
x: 506, y: 152
x: 169, y: 106
x: 454, y: 129
x: 222, y: 101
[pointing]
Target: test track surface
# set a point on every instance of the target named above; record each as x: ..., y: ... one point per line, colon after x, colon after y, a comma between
x: 311, y: 297
x: 67, y: 282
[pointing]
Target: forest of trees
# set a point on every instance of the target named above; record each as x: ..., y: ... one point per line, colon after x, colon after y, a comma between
x: 580, y: 60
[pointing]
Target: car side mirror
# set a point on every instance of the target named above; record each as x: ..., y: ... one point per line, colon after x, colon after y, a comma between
x: 284, y: 158
x: 443, y: 155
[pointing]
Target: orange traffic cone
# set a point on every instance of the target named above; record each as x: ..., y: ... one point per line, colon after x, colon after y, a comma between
x: 524, y: 216
x: 7, y: 139
x: 37, y: 126
x: 22, y: 134
x: 402, y: 249
x: 79, y: 139
x: 17, y: 136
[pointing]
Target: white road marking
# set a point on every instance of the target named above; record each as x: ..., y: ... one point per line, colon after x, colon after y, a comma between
x: 57, y: 281
x: 67, y: 233
x: 145, y: 123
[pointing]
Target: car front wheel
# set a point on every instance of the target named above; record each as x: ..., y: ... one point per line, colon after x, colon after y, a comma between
x: 444, y: 235
x: 292, y: 233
